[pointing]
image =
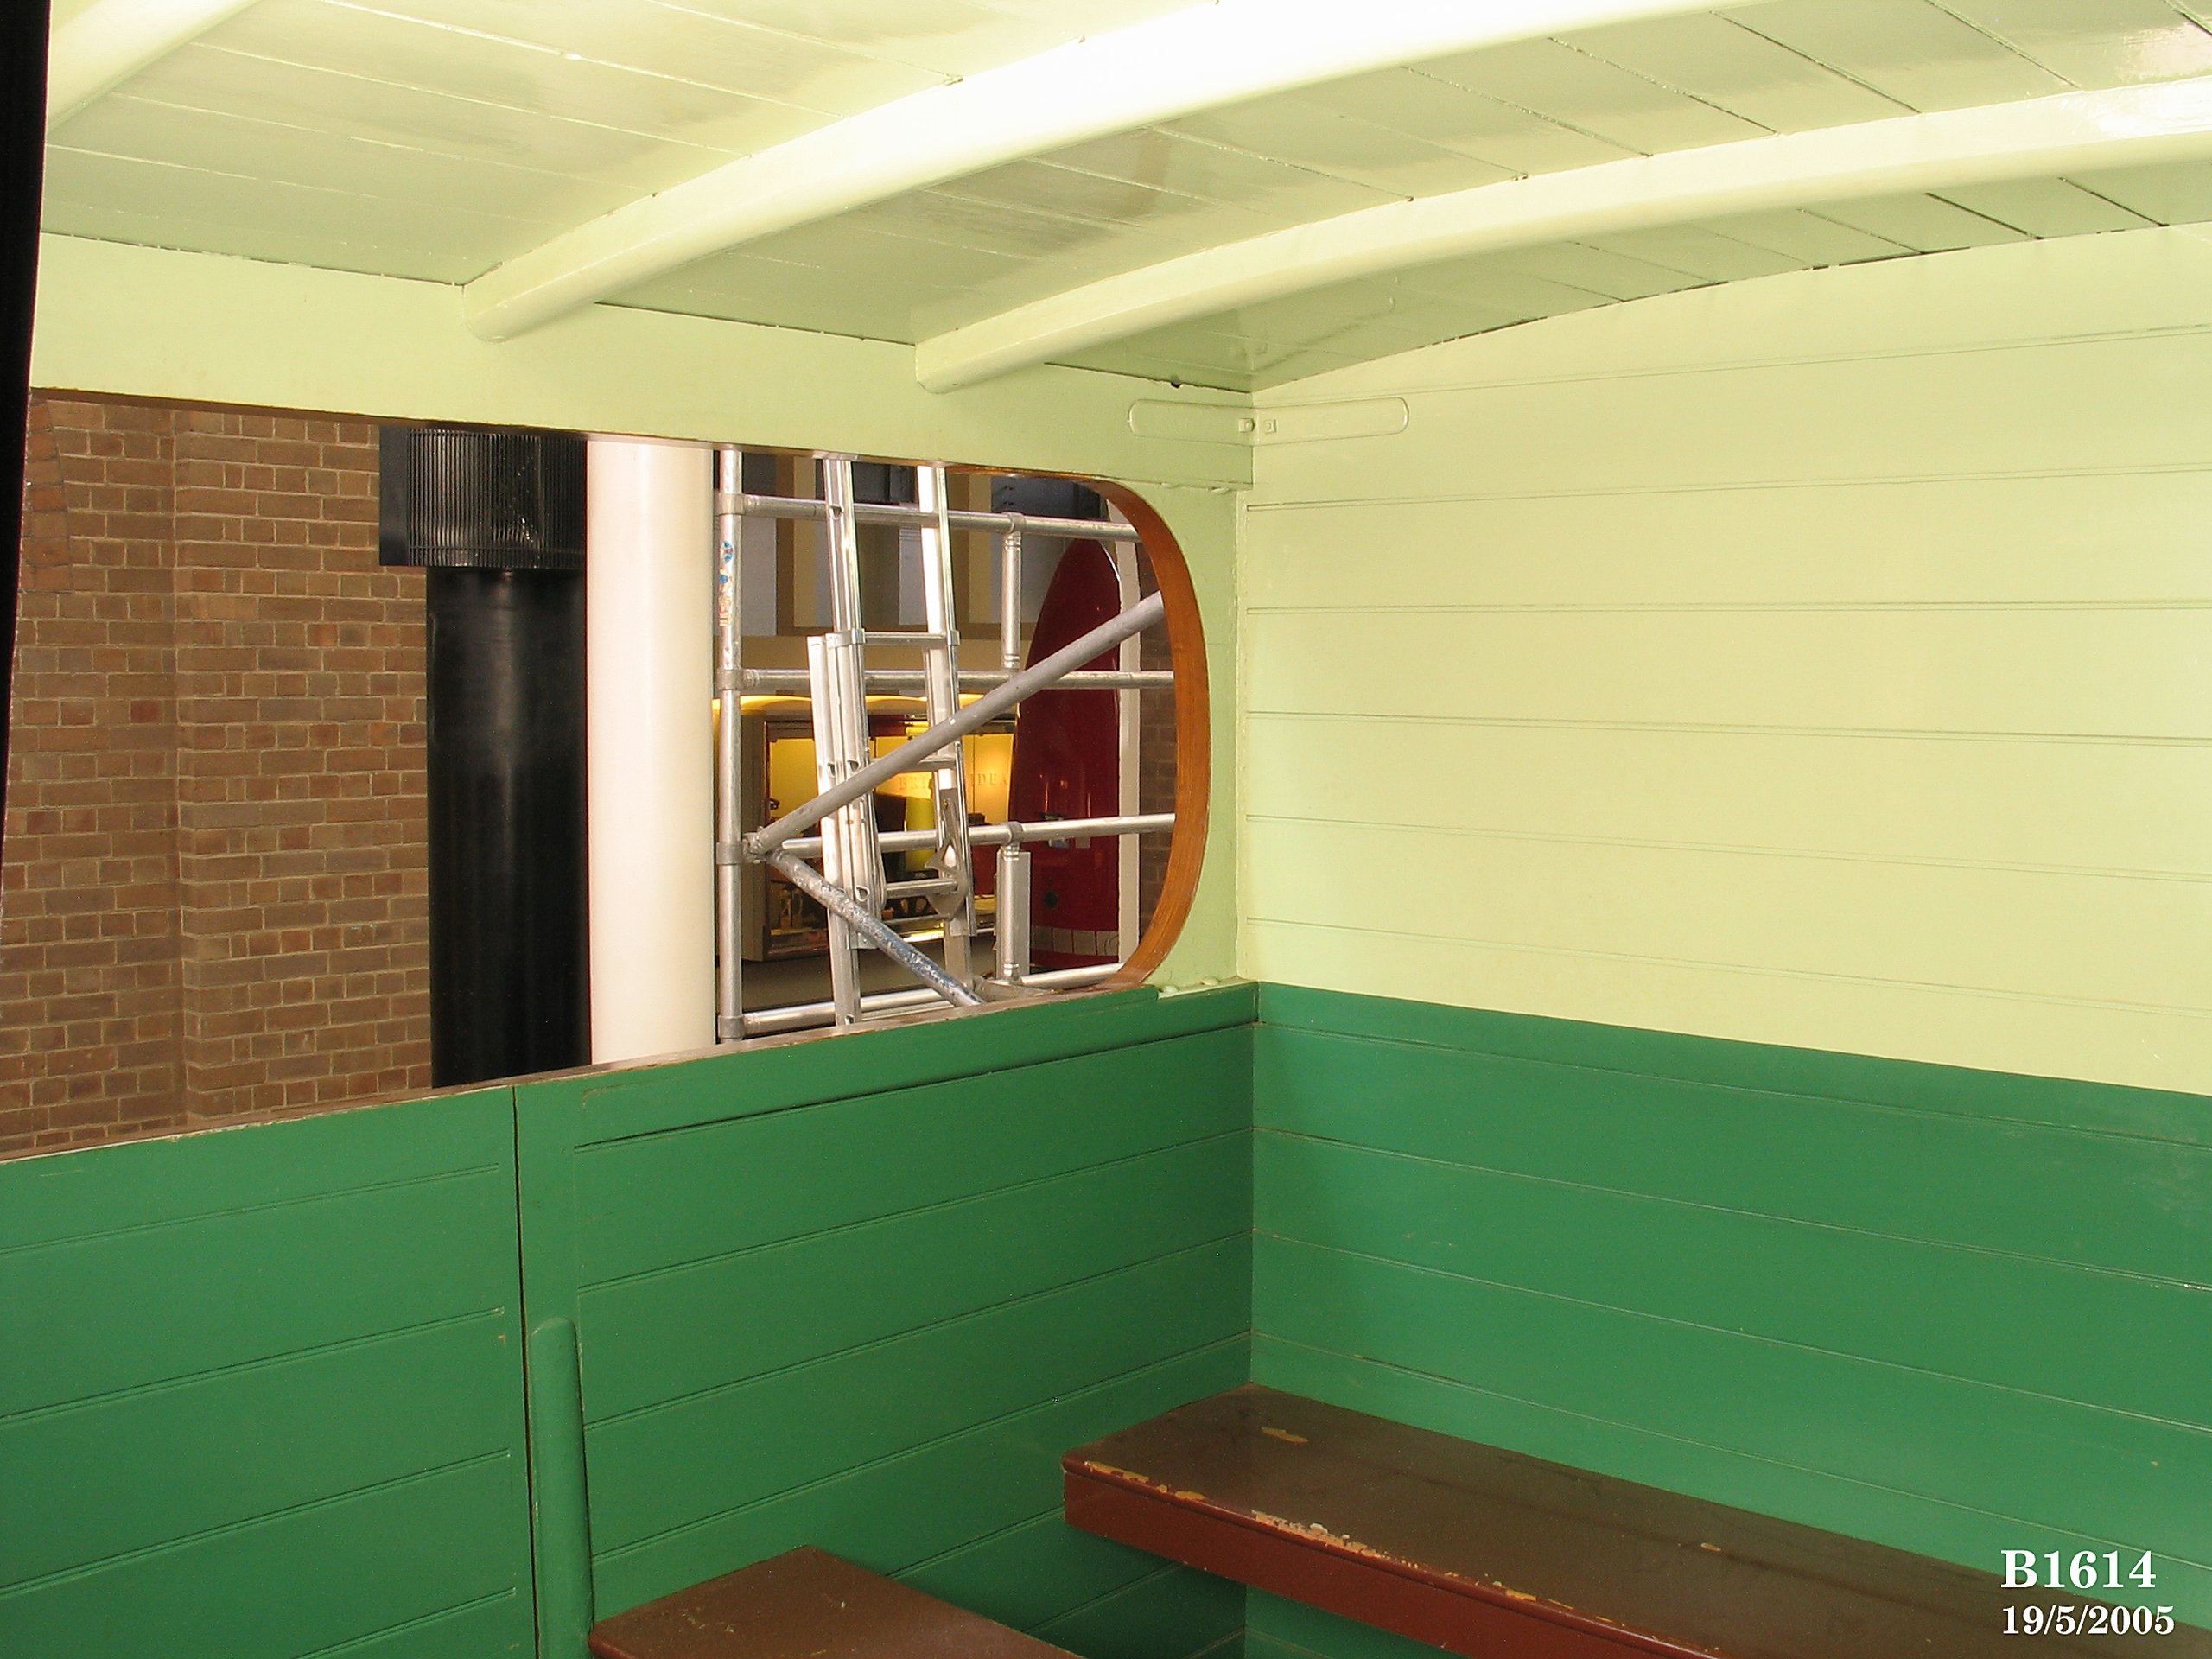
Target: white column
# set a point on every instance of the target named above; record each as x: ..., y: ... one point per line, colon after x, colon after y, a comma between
x: 649, y: 662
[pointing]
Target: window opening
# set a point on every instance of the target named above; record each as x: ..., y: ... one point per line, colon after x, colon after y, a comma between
x: 940, y: 819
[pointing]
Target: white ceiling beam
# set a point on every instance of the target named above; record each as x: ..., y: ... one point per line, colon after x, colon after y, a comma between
x: 2039, y: 138
x: 110, y: 40
x: 1195, y: 59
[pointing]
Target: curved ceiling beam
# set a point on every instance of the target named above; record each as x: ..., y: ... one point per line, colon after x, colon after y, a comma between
x: 2036, y: 137
x: 1195, y: 58
x: 112, y: 41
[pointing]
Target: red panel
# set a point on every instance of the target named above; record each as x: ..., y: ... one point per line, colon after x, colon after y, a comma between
x: 1067, y: 762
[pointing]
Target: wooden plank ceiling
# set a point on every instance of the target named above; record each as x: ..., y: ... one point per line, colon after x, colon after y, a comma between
x: 438, y: 139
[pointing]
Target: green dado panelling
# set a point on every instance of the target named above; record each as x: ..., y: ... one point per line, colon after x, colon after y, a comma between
x: 261, y: 1390
x: 864, y: 1293
x: 261, y: 1393
x: 1952, y: 1311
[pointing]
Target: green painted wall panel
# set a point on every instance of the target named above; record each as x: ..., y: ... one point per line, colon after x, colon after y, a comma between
x: 1953, y: 1312
x: 262, y: 1392
x: 664, y: 1335
x: 675, y: 1465
x: 1173, y: 1613
x: 130, y: 1471
x: 880, y: 1153
x: 863, y: 1293
x: 148, y: 1304
x: 1978, y: 1315
x: 2115, y: 1202
x: 470, y: 1630
x: 927, y: 1503
x: 227, y: 1172
x: 1823, y: 1074
x: 1286, y: 1630
x: 299, y: 1583
x: 2015, y: 1457
x: 1032, y: 1574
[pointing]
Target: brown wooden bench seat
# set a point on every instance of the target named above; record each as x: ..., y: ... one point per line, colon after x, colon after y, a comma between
x: 807, y: 1604
x: 1490, y: 1553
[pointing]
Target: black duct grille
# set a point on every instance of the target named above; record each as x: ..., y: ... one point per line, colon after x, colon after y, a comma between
x: 469, y: 499
x: 1046, y: 498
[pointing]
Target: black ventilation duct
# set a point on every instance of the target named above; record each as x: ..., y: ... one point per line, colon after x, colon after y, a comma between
x: 498, y: 519
x: 460, y: 498
x: 1046, y: 497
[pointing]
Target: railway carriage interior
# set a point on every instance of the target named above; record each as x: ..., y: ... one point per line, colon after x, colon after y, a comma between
x: 1160, y: 830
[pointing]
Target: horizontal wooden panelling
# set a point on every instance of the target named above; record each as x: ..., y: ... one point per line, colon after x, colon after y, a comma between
x: 2070, y: 1196
x: 1979, y: 543
x: 1899, y: 798
x: 1982, y: 1316
x: 863, y: 1293
x: 1968, y: 413
x: 1171, y: 1613
x: 1814, y: 660
x: 413, y: 1567
x: 677, y: 1465
x: 652, y: 1099
x: 74, y: 1503
x: 1947, y: 1311
x: 150, y: 1305
x: 2128, y: 941
x: 1276, y: 1628
x: 1966, y: 1028
x: 284, y: 1356
x: 2081, y: 672
x: 2013, y: 1457
x: 938, y: 1502
x: 1033, y: 1573
x: 701, y: 1326
x: 881, y: 1154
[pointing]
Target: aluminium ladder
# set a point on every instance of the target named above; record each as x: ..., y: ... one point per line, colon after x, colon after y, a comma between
x: 851, y: 884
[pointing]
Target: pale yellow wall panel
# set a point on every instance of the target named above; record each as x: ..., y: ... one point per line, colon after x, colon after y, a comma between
x: 1820, y: 660
x: 1972, y: 413
x: 2123, y: 941
x: 2077, y: 539
x: 2078, y: 672
x: 2001, y: 1033
x: 2063, y: 806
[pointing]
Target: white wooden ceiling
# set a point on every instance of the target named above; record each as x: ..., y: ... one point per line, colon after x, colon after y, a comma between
x: 441, y: 139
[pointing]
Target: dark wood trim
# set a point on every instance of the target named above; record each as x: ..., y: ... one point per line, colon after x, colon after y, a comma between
x: 1353, y: 1584
x: 807, y: 1604
x: 1186, y: 644
x: 1496, y: 1554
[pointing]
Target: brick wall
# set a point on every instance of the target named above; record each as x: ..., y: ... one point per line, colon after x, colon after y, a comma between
x: 89, y: 1016
x: 213, y: 857
x: 301, y: 875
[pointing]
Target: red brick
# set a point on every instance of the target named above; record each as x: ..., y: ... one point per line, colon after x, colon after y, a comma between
x: 201, y: 597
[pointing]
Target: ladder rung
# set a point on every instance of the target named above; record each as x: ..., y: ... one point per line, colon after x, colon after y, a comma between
x: 920, y: 887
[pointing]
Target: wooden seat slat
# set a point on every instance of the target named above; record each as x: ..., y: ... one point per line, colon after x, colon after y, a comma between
x: 1489, y: 1552
x: 807, y: 1604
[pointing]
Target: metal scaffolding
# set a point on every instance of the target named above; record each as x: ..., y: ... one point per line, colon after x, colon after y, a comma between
x: 851, y: 884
